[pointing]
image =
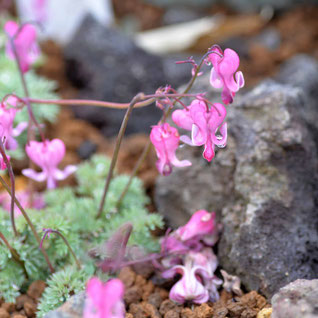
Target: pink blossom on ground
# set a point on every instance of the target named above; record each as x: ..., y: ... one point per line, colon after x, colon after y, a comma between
x: 225, y: 64
x: 7, y: 115
x: 24, y: 198
x: 25, y: 44
x: 189, y: 287
x: 47, y: 155
x: 204, y: 122
x: 166, y: 138
x: 104, y: 300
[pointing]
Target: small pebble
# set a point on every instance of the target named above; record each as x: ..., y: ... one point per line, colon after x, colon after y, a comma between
x: 9, y: 307
x: 36, y: 289
x: 4, y: 313
x: 168, y: 305
x: 127, y: 276
x: 30, y: 309
x: 132, y: 295
x: 265, y: 313
x: 155, y: 299
x: 172, y: 314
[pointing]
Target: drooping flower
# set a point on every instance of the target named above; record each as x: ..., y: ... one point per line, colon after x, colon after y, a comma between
x: 225, y: 64
x: 189, y: 287
x: 47, y: 155
x: 200, y: 225
x: 207, y: 260
x: 24, y: 42
x: 7, y: 115
x: 104, y: 300
x: 24, y: 199
x: 204, y: 122
x: 166, y: 141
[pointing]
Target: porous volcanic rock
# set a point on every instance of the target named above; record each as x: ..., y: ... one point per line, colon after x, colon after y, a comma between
x: 297, y: 300
x: 104, y: 64
x: 263, y: 186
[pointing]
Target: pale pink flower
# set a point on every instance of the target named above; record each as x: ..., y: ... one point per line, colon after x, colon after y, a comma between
x: 40, y: 10
x: 208, y: 260
x: 7, y: 115
x: 25, y: 44
x: 225, y: 64
x: 104, y: 300
x: 189, y: 287
x: 47, y: 155
x: 24, y: 198
x: 166, y: 141
x: 204, y: 122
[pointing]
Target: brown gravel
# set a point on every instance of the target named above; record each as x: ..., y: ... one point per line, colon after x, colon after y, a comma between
x: 144, y: 300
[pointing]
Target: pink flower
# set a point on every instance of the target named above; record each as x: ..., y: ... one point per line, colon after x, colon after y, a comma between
x: 223, y: 71
x: 189, y: 287
x: 207, y: 260
x: 104, y: 300
x: 47, y: 155
x: 23, y: 197
x: 39, y: 8
x: 7, y: 115
x: 202, y: 223
x: 204, y: 122
x: 25, y: 44
x: 166, y: 141
x: 3, y: 165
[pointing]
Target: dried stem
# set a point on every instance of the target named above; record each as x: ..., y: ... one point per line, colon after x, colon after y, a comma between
x: 12, y: 181
x: 120, y: 136
x: 14, y: 254
x: 25, y: 215
x: 49, y: 231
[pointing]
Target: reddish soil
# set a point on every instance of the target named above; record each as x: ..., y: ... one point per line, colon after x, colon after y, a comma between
x: 25, y: 305
x: 145, y: 300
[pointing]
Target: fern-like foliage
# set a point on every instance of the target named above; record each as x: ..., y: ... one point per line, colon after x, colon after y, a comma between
x: 73, y: 211
x: 61, y: 286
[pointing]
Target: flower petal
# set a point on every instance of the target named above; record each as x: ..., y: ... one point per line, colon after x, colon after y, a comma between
x: 32, y: 174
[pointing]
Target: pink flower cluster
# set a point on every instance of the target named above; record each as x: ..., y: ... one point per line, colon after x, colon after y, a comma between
x: 8, y: 112
x: 104, y: 300
x: 25, y: 45
x: 193, y: 258
x: 205, y: 120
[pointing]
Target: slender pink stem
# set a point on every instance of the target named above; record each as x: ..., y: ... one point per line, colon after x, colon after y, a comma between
x: 116, y: 151
x: 12, y: 181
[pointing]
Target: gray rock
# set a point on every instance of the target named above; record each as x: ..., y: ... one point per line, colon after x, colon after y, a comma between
x: 269, y: 38
x: 298, y: 299
x: 106, y: 65
x: 73, y: 308
x: 257, y: 5
x: 86, y: 149
x: 180, y: 14
x: 263, y: 186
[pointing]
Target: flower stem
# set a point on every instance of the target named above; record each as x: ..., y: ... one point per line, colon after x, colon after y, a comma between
x: 141, y: 159
x: 120, y: 136
x: 48, y: 231
x: 14, y: 254
x: 148, y: 145
x: 12, y: 181
x: 25, y: 215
